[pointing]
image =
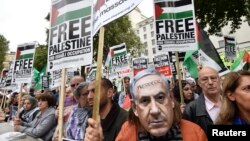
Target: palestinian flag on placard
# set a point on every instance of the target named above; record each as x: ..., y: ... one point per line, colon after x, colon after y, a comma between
x: 24, y: 52
x: 206, y: 55
x: 173, y: 9
x: 230, y: 45
x: 66, y: 10
x: 238, y: 62
x: 115, y: 51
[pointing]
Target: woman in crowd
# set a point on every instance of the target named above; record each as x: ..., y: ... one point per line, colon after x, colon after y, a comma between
x: 77, y: 123
x: 188, y: 94
x: 44, y: 123
x: 236, y: 97
x: 29, y: 112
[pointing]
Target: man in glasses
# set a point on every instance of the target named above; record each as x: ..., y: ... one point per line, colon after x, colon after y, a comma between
x: 205, y: 109
x: 75, y: 81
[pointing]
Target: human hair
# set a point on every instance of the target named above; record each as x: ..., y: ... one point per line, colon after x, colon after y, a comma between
x: 78, y: 89
x: 229, y: 108
x: 106, y: 83
x: 176, y: 89
x: 47, y: 96
x: 141, y: 74
x: 32, y: 100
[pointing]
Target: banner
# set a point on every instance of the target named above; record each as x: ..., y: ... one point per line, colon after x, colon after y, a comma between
x: 8, y: 81
x: 162, y: 64
x: 175, y: 25
x: 117, y: 62
x: 24, y: 63
x: 3, y: 78
x: 70, y: 40
x: 139, y: 64
x: 105, y: 11
x: 230, y: 48
x: 207, y: 55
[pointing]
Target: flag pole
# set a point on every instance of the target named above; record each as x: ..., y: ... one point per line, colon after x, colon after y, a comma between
x: 96, y: 115
x: 179, y: 76
x: 61, y: 105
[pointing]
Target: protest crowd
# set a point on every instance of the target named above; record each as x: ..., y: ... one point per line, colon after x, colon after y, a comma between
x: 129, y: 98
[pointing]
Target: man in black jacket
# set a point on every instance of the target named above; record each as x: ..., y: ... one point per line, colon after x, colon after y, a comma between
x: 206, y: 108
x: 112, y: 116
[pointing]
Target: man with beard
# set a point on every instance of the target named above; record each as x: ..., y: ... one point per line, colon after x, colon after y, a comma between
x: 112, y: 116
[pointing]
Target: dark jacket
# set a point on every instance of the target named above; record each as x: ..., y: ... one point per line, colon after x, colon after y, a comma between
x: 112, y: 124
x: 196, y: 112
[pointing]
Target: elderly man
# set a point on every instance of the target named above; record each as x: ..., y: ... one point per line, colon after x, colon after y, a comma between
x: 75, y: 81
x: 205, y: 109
x: 155, y: 115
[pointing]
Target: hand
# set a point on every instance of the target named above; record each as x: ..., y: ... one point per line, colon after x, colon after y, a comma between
x: 17, y: 121
x: 94, y: 131
x: 16, y: 128
x: 182, y: 106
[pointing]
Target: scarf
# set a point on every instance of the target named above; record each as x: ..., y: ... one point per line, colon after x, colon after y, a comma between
x: 174, y: 134
x: 77, y: 123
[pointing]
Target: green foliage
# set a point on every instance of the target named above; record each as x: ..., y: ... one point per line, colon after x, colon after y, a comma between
x: 40, y: 59
x: 218, y: 13
x: 117, y: 32
x: 4, y: 47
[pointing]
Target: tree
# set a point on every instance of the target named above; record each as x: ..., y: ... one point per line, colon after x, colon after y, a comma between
x: 117, y: 32
x: 40, y: 59
x: 219, y: 13
x: 4, y: 47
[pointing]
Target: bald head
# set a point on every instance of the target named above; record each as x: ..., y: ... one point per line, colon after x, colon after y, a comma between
x: 76, y: 80
x: 207, y: 69
x: 209, y: 81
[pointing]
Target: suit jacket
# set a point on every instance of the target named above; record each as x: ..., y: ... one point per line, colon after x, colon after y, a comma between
x: 196, y: 112
x: 42, y: 126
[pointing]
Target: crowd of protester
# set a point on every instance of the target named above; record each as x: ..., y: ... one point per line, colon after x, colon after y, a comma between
x: 148, y: 107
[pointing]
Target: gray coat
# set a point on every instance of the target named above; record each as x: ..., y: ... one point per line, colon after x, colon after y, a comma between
x: 42, y: 126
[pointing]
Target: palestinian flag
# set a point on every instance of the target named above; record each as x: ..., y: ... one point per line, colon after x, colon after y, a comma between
x: 230, y: 45
x: 99, y: 4
x: 206, y: 55
x: 66, y: 10
x: 238, y: 62
x: 116, y: 51
x: 25, y: 51
x: 174, y: 9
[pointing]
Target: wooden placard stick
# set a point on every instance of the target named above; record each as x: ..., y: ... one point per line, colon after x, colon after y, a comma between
x: 179, y: 76
x: 19, y: 100
x: 96, y: 115
x: 61, y: 105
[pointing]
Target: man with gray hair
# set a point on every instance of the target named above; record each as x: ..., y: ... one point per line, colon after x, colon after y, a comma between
x: 205, y: 109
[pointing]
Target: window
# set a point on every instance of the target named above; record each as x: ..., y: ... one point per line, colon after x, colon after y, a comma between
x: 138, y: 31
x: 154, y: 51
x: 146, y: 52
x: 152, y: 33
x: 144, y: 28
x: 145, y: 44
x: 151, y: 25
x: 153, y: 41
x: 145, y: 36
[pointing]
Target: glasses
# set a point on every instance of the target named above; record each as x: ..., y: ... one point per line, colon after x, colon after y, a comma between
x: 206, y: 79
x: 73, y: 85
x: 84, y: 94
